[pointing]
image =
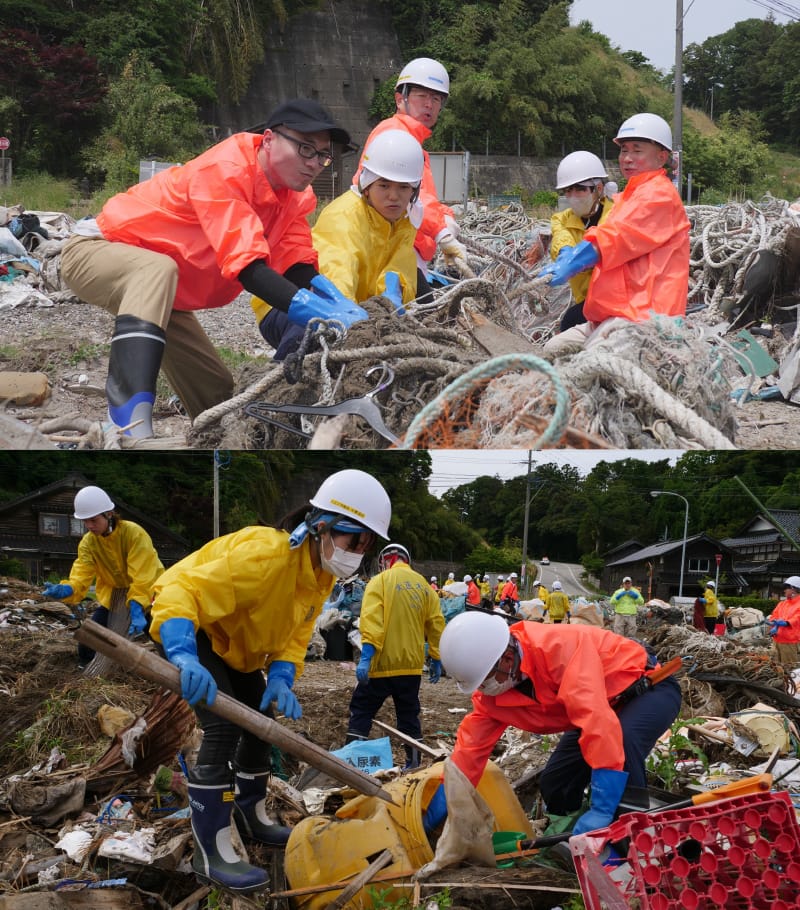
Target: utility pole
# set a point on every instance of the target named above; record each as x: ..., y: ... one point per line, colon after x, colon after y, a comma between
x: 677, y: 117
x: 524, y: 570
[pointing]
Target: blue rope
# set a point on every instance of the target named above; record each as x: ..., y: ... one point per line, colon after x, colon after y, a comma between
x: 463, y: 386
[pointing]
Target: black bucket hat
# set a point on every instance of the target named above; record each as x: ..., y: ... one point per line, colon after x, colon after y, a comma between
x: 307, y: 116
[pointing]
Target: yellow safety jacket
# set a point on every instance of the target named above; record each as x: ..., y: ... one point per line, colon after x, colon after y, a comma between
x: 399, y: 612
x: 254, y: 597
x: 568, y: 229
x: 125, y: 558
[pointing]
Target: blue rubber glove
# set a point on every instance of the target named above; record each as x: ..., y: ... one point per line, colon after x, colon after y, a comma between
x: 607, y: 789
x: 581, y: 257
x: 362, y: 670
x: 180, y: 646
x: 563, y: 253
x: 324, y: 302
x: 436, y: 812
x: 280, y: 679
x: 435, y: 673
x: 702, y: 600
x: 137, y: 618
x: 775, y: 624
x: 620, y: 595
x: 394, y: 292
x: 633, y: 594
x: 57, y: 592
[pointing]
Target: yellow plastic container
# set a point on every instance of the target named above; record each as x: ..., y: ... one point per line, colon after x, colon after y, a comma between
x: 325, y: 850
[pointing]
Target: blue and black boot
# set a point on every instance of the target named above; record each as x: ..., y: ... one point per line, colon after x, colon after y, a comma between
x: 211, y: 798
x: 250, y: 813
x: 137, y: 348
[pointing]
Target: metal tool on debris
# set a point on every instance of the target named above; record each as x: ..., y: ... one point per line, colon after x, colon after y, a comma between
x: 158, y: 670
x: 362, y: 407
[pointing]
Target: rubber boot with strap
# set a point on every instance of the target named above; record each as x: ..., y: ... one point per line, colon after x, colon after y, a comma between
x: 215, y: 860
x: 250, y: 813
x: 137, y: 348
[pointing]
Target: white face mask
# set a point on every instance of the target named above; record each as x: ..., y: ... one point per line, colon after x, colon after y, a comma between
x: 492, y: 687
x: 582, y: 204
x: 341, y: 563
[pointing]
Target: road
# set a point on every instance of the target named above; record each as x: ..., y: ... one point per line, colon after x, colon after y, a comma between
x: 568, y: 573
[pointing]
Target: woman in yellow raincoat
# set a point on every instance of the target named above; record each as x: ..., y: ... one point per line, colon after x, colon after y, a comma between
x: 242, y: 603
x: 114, y: 553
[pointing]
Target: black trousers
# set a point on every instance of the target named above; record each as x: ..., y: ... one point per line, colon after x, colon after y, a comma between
x: 643, y: 720
x: 368, y: 698
x: 224, y: 742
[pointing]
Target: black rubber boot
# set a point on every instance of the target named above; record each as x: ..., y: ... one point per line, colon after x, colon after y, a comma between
x: 412, y: 758
x: 215, y: 860
x: 250, y: 812
x: 137, y: 348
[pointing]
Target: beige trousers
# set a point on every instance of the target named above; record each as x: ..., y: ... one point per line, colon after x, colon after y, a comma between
x: 128, y: 280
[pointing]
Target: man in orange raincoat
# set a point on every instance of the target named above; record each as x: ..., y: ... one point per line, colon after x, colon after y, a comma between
x: 420, y: 95
x: 640, y: 253
x: 566, y: 679
x: 784, y: 623
x: 193, y: 237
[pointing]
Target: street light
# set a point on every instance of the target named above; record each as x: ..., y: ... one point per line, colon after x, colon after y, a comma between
x: 655, y: 493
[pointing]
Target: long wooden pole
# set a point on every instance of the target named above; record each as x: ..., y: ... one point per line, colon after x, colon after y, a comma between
x: 158, y: 670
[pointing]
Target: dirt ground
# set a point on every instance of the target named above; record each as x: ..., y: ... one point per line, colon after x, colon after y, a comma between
x: 53, y: 750
x: 69, y: 342
x: 49, y: 704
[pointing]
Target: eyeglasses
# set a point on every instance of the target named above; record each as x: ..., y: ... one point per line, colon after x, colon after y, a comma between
x: 308, y: 151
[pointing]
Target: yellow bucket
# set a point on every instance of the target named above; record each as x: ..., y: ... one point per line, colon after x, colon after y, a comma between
x: 321, y: 851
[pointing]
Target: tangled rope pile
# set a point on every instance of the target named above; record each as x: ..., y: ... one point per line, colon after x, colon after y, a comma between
x: 665, y: 383
x: 724, y: 241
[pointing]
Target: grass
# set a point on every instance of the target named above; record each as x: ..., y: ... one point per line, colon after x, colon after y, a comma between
x: 43, y: 193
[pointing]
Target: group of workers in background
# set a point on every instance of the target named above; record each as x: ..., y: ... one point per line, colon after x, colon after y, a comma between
x: 235, y: 218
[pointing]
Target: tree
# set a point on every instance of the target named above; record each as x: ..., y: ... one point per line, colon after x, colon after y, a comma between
x: 48, y: 92
x: 148, y: 119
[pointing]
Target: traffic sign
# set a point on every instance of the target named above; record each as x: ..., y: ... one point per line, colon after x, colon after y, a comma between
x: 4, y: 143
x: 718, y: 558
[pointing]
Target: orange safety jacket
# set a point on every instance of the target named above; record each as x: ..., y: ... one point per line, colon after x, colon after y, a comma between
x: 473, y: 594
x: 575, y: 670
x: 644, y: 253
x: 434, y: 214
x: 789, y: 610
x: 214, y: 216
x: 510, y: 591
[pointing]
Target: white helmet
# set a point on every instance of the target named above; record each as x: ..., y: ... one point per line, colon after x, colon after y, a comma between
x: 556, y: 585
x: 710, y: 584
x: 426, y: 73
x: 793, y: 581
x: 394, y: 155
x: 500, y: 577
x: 356, y: 495
x: 646, y: 126
x: 91, y: 501
x: 577, y: 167
x: 451, y: 575
x: 513, y: 575
x: 470, y: 646
x: 392, y: 549
x: 467, y: 578
x: 433, y: 578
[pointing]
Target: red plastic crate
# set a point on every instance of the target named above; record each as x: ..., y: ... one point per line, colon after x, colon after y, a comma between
x: 742, y: 852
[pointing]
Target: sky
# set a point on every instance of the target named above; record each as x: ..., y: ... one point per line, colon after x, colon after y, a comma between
x: 651, y: 30
x: 455, y: 467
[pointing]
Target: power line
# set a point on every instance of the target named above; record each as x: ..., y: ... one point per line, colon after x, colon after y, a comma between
x: 781, y: 7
